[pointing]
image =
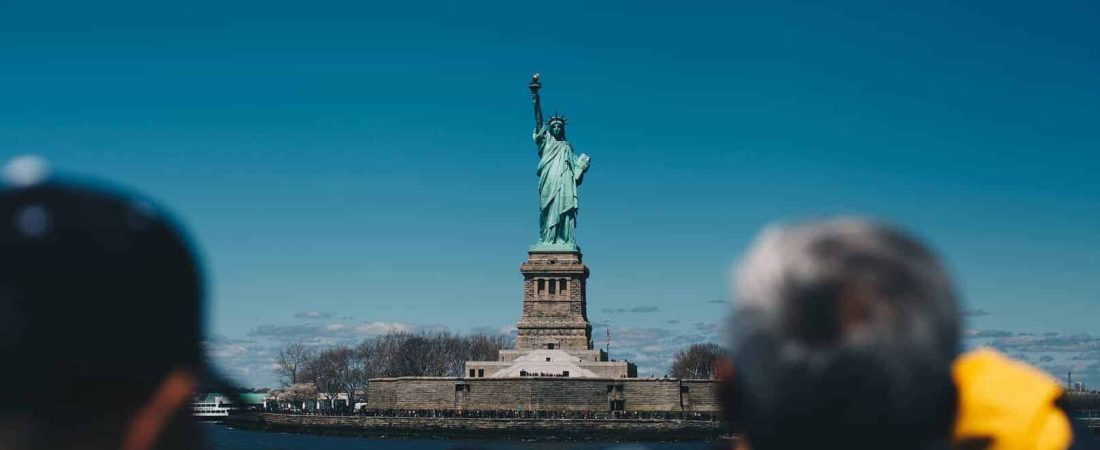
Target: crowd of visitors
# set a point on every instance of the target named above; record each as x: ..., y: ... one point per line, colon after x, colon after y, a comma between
x: 503, y: 414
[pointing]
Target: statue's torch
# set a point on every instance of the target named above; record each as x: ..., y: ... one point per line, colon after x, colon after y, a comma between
x: 535, y: 85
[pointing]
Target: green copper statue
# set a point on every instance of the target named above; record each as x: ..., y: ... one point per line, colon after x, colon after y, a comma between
x: 560, y: 172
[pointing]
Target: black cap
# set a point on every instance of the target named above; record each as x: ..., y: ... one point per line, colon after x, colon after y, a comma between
x: 101, y: 296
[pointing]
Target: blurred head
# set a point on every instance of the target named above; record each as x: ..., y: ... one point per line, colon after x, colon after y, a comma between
x: 844, y: 332
x: 100, y: 318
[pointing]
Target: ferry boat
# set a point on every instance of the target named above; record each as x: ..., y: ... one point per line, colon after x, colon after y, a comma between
x: 211, y: 407
x: 1084, y: 406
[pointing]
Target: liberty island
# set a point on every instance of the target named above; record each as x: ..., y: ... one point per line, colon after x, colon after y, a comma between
x: 553, y: 382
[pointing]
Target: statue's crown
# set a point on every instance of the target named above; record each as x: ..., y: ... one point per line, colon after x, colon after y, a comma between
x: 558, y: 118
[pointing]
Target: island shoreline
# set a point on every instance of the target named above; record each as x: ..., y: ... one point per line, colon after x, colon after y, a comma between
x: 633, y: 430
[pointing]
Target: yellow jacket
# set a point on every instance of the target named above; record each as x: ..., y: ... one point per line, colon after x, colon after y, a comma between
x: 1007, y: 403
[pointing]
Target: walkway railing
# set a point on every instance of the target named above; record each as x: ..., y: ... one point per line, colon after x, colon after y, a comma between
x: 506, y: 414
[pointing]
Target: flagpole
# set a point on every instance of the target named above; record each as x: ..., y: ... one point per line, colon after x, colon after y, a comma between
x: 608, y: 348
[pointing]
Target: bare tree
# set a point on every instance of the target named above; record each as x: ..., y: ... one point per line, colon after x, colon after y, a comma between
x: 333, y: 373
x: 484, y: 347
x: 292, y: 360
x: 347, y: 369
x: 431, y: 353
x: 415, y: 357
x: 696, y: 361
x: 376, y: 353
x: 451, y: 357
x: 341, y: 369
x: 355, y: 375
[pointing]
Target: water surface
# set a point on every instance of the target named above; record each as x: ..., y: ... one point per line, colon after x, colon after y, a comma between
x: 221, y: 437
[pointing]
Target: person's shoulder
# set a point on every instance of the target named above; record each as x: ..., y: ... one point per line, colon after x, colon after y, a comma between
x: 993, y: 367
x: 1009, y: 402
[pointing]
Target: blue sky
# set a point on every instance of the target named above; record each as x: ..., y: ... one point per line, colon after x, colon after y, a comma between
x: 371, y: 164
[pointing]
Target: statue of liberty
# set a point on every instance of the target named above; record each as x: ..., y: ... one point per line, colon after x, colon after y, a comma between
x: 559, y: 172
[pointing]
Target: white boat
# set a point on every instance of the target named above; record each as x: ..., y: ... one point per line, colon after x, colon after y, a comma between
x: 211, y: 407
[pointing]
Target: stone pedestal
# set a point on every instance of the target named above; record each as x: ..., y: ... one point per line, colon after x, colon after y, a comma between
x: 555, y: 338
x: 555, y: 315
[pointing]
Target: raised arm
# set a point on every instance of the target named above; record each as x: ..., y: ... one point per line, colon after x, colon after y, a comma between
x: 538, y: 110
x: 535, y: 85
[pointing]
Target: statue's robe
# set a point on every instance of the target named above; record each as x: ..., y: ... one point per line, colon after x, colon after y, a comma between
x: 559, y: 172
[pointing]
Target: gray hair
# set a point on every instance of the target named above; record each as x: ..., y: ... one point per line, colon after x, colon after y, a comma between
x: 848, y: 321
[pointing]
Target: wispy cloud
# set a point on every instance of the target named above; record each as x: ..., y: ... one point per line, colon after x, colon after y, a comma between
x: 975, y: 312
x: 313, y: 315
x: 506, y: 330
x: 248, y: 362
x: 651, y: 348
x: 1059, y: 343
x: 326, y: 333
x: 1087, y: 356
x: 636, y: 309
x: 980, y: 334
x: 251, y: 360
x: 1056, y: 353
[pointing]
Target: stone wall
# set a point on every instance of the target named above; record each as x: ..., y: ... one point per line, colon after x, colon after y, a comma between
x: 701, y: 396
x: 652, y: 395
x: 471, y: 428
x: 412, y: 393
x: 543, y: 394
x: 554, y: 303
